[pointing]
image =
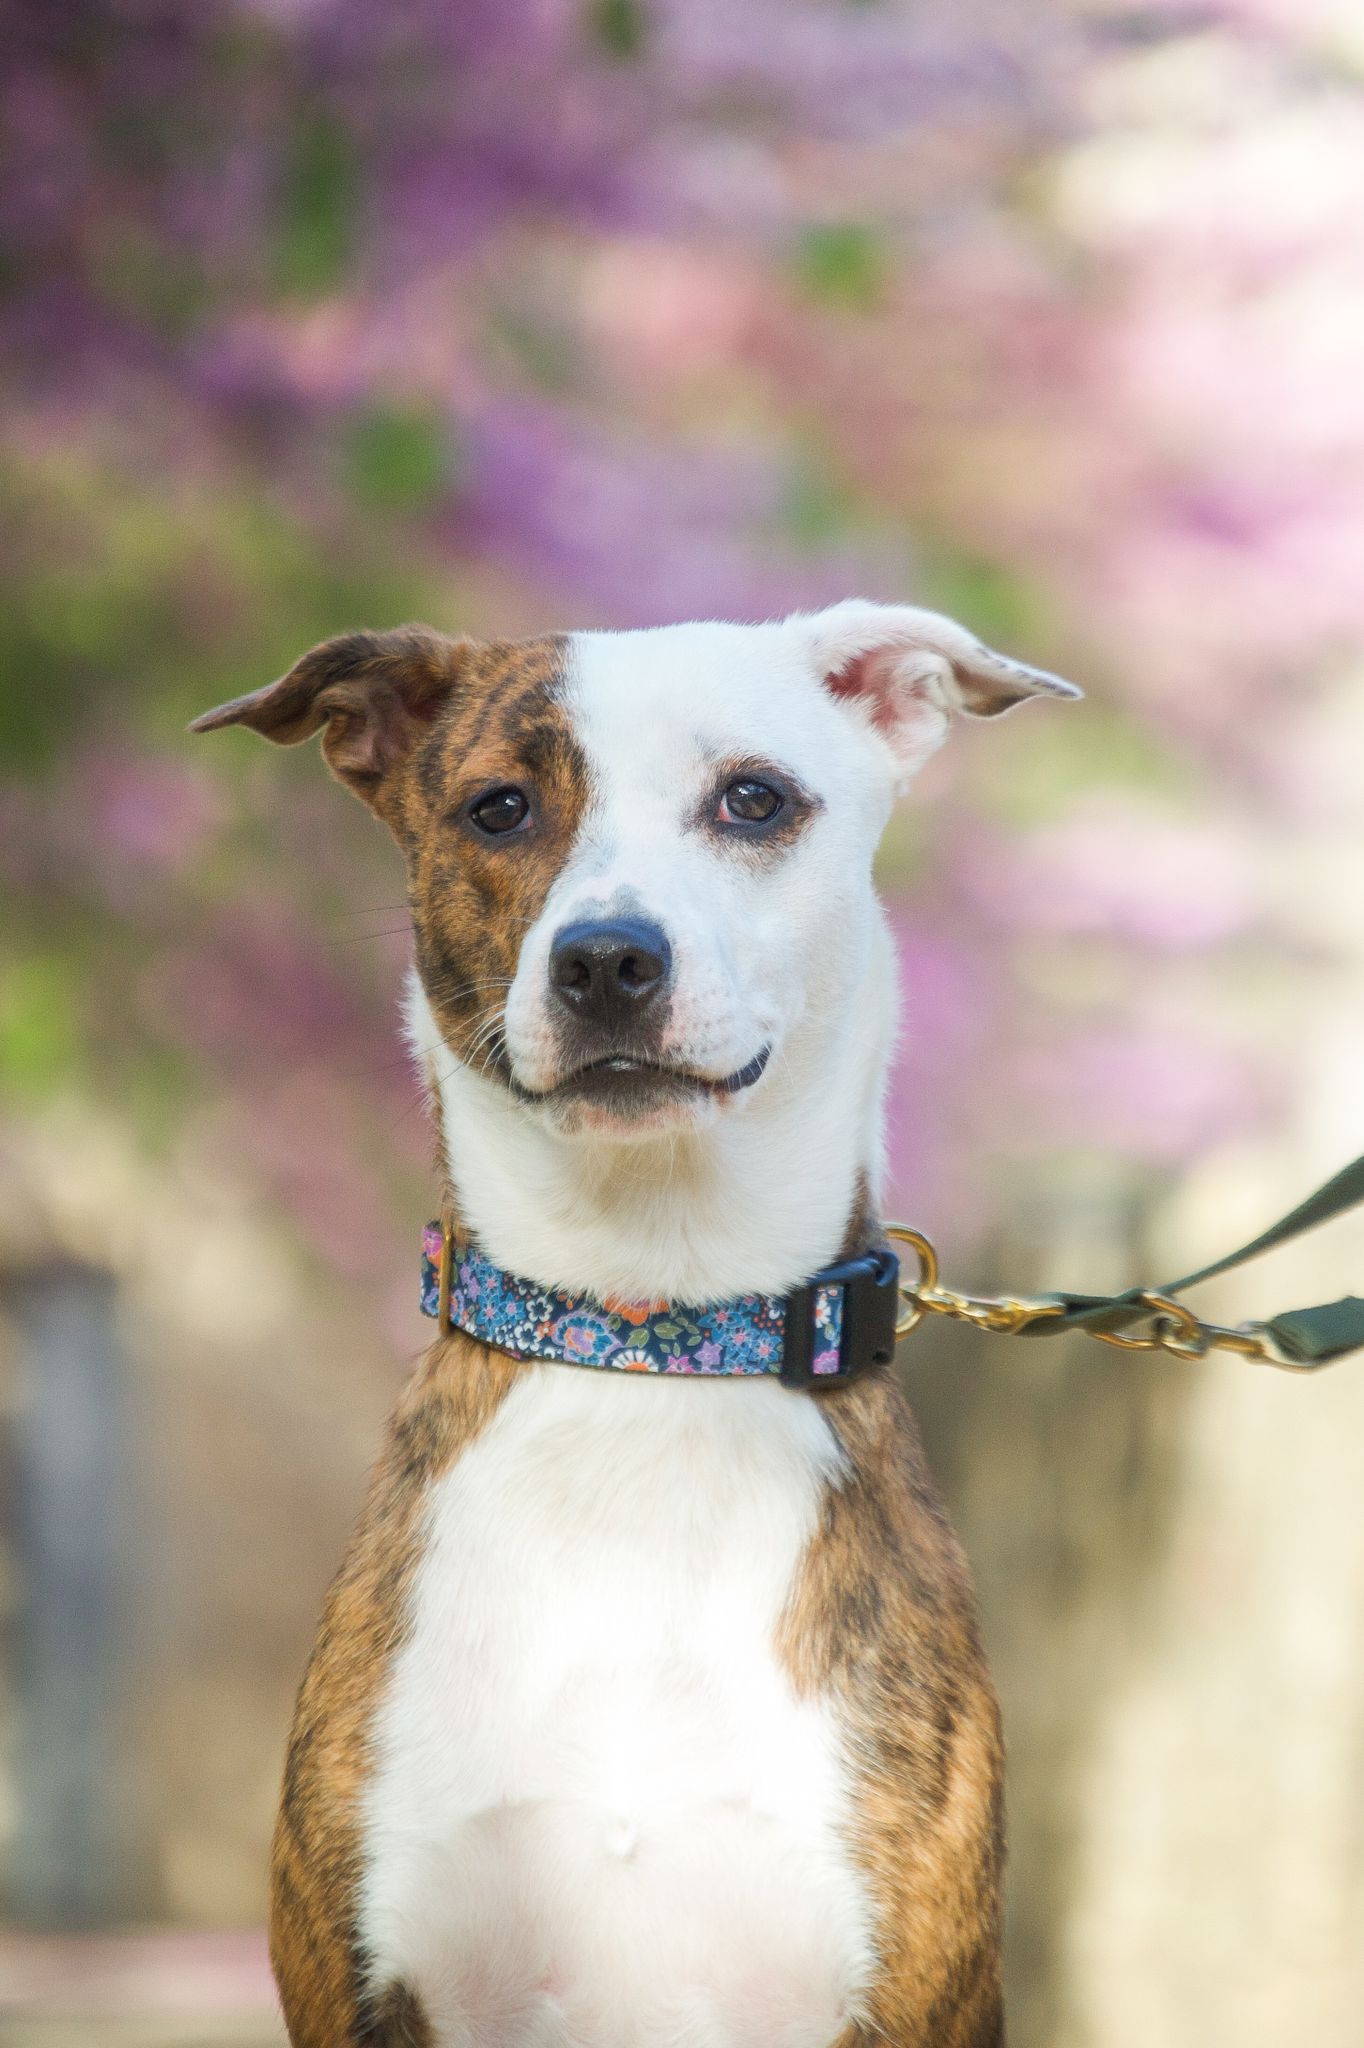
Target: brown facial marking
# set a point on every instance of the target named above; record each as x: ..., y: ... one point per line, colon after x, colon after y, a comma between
x: 474, y: 898
x: 417, y: 724
x: 315, y: 1862
x: 883, y: 1618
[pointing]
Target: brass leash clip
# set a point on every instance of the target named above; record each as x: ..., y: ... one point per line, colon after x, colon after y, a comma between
x: 926, y: 1296
x: 1172, y: 1326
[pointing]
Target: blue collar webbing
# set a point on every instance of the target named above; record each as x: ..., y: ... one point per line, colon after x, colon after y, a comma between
x: 824, y: 1333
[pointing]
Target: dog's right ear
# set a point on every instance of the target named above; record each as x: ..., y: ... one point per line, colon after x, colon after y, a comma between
x: 374, y: 693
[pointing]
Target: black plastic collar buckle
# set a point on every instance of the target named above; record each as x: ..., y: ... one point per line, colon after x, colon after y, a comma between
x: 871, y: 1309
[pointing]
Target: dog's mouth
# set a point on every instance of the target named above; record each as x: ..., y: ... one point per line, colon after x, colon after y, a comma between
x: 630, y: 1085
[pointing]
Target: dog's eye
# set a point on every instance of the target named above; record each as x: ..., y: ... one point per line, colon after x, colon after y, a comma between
x: 501, y: 810
x: 748, y: 802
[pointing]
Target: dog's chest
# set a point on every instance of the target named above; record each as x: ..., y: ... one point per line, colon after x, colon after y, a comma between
x: 598, y: 1812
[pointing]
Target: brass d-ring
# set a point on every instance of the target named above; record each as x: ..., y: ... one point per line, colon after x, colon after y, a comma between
x: 1174, y: 1328
x: 1177, y: 1328
x: 927, y: 1280
x: 446, y: 1269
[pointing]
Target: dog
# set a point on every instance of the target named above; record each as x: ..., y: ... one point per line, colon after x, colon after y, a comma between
x: 647, y: 1713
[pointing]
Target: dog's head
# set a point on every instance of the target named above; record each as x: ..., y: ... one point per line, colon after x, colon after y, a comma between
x: 639, y: 863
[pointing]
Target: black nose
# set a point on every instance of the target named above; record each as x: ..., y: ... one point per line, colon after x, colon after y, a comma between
x: 608, y: 972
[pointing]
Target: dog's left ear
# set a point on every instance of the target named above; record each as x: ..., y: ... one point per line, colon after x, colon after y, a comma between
x: 373, y: 692
x: 906, y: 671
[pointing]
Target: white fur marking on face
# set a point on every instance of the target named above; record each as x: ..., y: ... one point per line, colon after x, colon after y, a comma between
x: 791, y: 953
x: 660, y: 717
x: 599, y: 1812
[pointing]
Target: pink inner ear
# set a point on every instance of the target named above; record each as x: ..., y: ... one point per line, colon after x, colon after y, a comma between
x: 871, y: 678
x: 897, y: 688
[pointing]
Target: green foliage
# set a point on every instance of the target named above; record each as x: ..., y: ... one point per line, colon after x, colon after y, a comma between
x: 1051, y: 763
x: 619, y: 26
x: 91, y: 591
x: 40, y: 1038
x: 318, y: 207
x: 148, y: 278
x: 992, y: 598
x: 817, y: 505
x: 129, y: 607
x: 842, y: 263
x: 398, y: 457
x: 535, y: 349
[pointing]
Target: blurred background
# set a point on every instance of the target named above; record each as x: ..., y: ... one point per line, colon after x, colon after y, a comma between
x: 511, y: 314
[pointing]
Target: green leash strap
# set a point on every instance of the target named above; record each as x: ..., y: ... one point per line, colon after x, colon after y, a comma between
x: 1306, y: 1337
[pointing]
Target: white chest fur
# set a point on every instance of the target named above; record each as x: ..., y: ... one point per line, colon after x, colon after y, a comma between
x: 599, y: 1814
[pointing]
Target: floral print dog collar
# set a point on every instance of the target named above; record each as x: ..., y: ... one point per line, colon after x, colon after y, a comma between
x: 841, y: 1322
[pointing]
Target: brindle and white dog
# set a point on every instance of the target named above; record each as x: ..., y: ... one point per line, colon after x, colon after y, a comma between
x: 646, y: 1712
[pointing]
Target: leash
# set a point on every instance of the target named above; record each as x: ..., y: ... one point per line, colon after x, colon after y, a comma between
x: 1154, y: 1318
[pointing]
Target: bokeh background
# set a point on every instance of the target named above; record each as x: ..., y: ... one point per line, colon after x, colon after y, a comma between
x: 510, y: 314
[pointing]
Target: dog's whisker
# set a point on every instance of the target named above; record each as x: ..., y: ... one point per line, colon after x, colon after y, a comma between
x: 469, y: 988
x: 487, y: 1032
x: 418, y: 1102
x: 374, y: 1067
x: 493, y: 1052
x: 439, y: 992
x: 482, y: 1025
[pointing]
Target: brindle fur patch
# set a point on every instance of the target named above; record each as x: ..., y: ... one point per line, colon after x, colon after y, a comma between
x: 883, y: 1617
x: 416, y: 724
x: 315, y: 1861
x: 473, y: 898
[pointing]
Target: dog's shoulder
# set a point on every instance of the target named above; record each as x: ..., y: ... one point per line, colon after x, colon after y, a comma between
x: 884, y: 1619
x: 316, y: 1856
